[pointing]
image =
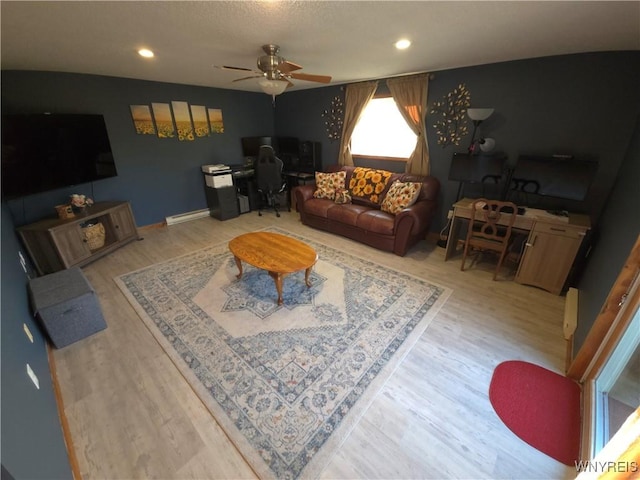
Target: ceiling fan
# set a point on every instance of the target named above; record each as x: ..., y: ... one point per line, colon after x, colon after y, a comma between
x: 274, y: 72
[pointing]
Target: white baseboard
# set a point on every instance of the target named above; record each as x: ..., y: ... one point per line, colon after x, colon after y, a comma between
x: 186, y: 217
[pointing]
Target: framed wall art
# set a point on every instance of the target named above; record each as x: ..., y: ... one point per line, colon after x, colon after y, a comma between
x: 182, y: 117
x: 200, y: 122
x: 164, y: 120
x: 142, y: 120
x: 215, y: 120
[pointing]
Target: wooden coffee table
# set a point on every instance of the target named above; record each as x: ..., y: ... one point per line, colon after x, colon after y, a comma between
x: 277, y: 254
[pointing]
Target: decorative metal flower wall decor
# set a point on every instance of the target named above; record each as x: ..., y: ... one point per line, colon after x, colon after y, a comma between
x: 452, y: 109
x: 334, y: 118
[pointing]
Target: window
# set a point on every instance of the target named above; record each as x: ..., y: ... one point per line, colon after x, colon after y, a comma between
x: 382, y: 132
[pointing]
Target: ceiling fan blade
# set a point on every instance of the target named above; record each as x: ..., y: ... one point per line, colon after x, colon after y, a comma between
x: 287, y: 67
x: 246, y: 78
x: 242, y: 69
x: 311, y: 78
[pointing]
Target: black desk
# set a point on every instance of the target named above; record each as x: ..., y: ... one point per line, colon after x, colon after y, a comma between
x: 245, y: 183
x: 244, y: 180
x: 293, y: 180
x: 300, y: 178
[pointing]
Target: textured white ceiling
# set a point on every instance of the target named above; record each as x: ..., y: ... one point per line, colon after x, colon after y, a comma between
x: 349, y: 41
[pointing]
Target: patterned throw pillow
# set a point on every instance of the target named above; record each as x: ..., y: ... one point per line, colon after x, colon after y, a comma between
x: 327, y: 183
x: 342, y: 195
x: 400, y: 195
x: 368, y: 183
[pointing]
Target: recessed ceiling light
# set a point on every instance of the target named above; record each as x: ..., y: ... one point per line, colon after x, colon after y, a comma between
x: 146, y: 53
x: 402, y: 44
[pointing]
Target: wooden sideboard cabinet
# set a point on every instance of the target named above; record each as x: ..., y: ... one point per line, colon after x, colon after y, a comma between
x: 550, y: 250
x: 549, y: 254
x: 56, y: 244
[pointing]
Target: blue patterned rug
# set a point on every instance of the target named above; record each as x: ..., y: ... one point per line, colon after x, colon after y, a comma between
x: 287, y: 383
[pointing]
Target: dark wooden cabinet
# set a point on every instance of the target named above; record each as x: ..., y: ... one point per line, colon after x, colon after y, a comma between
x: 56, y: 244
x: 222, y: 202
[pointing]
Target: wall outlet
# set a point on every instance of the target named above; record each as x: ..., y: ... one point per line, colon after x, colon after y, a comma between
x: 449, y: 214
x: 33, y: 377
x: 27, y: 332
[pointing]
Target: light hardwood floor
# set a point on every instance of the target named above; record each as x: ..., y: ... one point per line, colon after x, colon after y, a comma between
x: 132, y: 415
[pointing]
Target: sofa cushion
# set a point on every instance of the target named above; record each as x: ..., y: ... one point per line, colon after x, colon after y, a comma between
x: 319, y: 206
x: 347, y: 214
x: 401, y: 195
x: 369, y: 183
x: 327, y: 183
x: 376, y: 221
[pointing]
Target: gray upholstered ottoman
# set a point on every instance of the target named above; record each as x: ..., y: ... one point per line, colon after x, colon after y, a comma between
x: 66, y: 305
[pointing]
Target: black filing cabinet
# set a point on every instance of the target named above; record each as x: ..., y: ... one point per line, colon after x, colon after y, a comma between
x: 222, y: 202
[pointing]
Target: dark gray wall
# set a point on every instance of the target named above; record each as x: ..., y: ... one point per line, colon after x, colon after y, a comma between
x: 32, y: 442
x: 619, y: 229
x: 160, y: 177
x: 584, y: 105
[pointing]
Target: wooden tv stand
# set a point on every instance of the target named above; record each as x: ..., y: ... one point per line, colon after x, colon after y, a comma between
x: 56, y: 244
x: 549, y: 252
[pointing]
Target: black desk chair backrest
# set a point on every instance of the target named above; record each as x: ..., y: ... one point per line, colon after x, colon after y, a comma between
x: 268, y: 170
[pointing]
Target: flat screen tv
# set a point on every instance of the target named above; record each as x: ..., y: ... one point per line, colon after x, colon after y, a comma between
x: 553, y: 176
x: 45, y: 152
x: 476, y: 168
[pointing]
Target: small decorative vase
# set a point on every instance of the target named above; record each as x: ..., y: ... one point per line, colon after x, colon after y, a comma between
x: 79, y: 210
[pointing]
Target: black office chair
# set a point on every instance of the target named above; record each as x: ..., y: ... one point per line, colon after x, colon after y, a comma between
x: 271, y: 184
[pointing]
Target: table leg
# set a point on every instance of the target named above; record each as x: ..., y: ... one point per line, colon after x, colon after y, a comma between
x: 277, y: 278
x: 307, y: 272
x: 239, y: 264
x: 452, y: 239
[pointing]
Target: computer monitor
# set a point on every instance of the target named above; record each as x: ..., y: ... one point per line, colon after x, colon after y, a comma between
x: 251, y: 145
x: 288, y: 146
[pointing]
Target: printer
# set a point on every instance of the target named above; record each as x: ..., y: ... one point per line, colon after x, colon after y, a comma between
x: 217, y: 176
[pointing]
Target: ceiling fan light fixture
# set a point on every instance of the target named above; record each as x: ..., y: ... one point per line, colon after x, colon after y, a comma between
x: 272, y: 87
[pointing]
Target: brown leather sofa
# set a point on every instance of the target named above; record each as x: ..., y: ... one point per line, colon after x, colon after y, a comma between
x: 365, y: 222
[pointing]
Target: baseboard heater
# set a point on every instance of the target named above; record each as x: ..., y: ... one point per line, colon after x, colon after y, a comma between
x: 186, y: 217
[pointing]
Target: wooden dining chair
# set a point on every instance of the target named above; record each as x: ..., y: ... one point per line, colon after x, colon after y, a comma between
x: 490, y: 228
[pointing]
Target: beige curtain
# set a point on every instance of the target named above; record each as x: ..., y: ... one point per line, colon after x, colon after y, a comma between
x: 356, y: 97
x: 410, y: 94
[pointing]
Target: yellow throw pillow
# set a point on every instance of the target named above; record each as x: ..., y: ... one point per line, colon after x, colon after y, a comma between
x: 400, y: 195
x: 368, y: 183
x: 327, y: 183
